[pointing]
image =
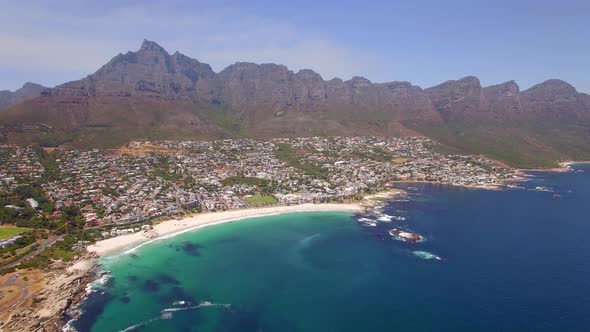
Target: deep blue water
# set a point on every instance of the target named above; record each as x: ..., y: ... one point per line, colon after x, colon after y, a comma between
x: 515, y: 260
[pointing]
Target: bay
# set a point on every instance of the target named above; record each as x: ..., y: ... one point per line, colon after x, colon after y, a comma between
x: 514, y: 260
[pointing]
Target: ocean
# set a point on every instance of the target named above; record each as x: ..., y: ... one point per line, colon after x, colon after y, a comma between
x: 513, y: 260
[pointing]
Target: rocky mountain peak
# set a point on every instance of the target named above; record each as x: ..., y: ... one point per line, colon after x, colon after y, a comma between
x: 551, y: 90
x: 28, y: 91
x: 308, y: 75
x: 465, y: 86
x: 359, y: 82
x: 359, y: 79
x: 149, y: 72
x: 148, y: 45
x: 137, y: 91
x: 506, y: 89
x: 31, y: 85
x: 470, y: 80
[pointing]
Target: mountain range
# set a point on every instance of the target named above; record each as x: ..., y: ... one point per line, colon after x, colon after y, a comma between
x: 27, y: 91
x: 151, y: 94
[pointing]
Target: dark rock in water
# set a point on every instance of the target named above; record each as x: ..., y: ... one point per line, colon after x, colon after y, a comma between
x: 151, y: 286
x: 166, y: 279
x: 192, y: 249
x: 125, y: 299
x: 92, y: 309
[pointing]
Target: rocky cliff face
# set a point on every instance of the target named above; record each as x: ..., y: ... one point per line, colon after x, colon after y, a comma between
x: 555, y: 96
x: 461, y: 96
x: 27, y: 91
x: 152, y: 91
x: 148, y: 73
x: 263, y: 95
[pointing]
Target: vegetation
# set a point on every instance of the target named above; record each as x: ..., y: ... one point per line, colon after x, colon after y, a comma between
x: 260, y: 200
x: 224, y: 118
x: 8, y: 232
x: 375, y: 153
x: 162, y: 169
x: 244, y: 180
x: 46, y: 139
x: 49, y: 162
x: 263, y: 186
x: 61, y: 250
x: 22, y: 246
x: 292, y: 157
x: 522, y: 145
x: 24, y: 212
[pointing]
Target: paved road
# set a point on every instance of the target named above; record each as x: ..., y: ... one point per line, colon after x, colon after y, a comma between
x: 47, y: 243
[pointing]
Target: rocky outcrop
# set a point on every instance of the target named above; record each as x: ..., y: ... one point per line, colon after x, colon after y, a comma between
x: 63, y: 289
x: 556, y: 97
x: 457, y: 99
x: 148, y: 73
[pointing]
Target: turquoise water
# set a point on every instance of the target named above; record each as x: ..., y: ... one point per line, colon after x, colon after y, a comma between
x: 515, y: 260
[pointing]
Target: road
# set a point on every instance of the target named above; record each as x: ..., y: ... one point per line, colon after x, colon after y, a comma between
x: 47, y: 243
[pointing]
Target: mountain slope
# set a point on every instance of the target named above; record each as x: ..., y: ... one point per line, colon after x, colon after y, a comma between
x: 153, y: 94
x: 535, y: 127
x: 27, y: 91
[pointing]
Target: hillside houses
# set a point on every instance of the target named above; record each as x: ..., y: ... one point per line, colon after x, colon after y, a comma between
x: 153, y: 179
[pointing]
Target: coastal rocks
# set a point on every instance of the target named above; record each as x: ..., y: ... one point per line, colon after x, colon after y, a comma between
x: 375, y: 216
x: 367, y: 222
x: 374, y: 209
x: 63, y: 290
x: 406, y: 236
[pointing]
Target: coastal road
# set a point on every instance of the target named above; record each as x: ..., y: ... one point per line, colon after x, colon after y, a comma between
x: 46, y: 244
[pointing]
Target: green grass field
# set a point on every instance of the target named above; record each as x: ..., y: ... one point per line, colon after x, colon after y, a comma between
x: 8, y: 232
x: 260, y: 200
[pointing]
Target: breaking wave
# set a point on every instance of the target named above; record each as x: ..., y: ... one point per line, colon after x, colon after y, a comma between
x: 168, y: 313
x: 426, y: 255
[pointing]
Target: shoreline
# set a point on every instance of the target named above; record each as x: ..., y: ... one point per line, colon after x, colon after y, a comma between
x: 169, y: 228
x: 564, y: 166
x: 497, y: 186
x: 172, y: 227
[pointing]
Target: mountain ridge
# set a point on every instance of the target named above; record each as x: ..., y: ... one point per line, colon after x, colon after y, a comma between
x: 153, y: 94
x: 28, y: 91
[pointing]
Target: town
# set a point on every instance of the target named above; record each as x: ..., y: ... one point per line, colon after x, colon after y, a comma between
x: 146, y: 180
x: 56, y: 202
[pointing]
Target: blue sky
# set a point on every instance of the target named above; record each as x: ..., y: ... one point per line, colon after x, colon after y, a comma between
x: 424, y: 42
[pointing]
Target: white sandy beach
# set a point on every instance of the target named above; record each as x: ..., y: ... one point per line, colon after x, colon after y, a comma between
x: 171, y: 227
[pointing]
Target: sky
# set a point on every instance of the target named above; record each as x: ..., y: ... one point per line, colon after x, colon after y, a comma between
x: 425, y: 42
